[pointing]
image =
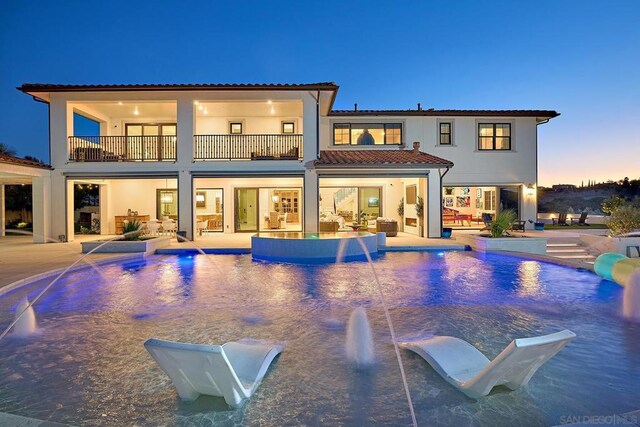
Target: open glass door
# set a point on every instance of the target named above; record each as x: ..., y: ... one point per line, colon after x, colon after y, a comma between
x: 246, y: 209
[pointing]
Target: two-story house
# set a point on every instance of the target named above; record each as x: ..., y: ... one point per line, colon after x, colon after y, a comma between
x: 229, y: 158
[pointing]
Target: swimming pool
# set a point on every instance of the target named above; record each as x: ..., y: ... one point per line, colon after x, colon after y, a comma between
x: 87, y: 364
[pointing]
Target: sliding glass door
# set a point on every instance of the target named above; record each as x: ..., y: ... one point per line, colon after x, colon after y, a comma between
x: 246, y: 209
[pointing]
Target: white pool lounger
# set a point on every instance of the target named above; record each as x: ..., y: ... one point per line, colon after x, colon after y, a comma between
x: 464, y: 367
x: 233, y: 370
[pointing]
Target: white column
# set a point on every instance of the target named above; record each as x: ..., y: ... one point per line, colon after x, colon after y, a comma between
x: 58, y: 205
x: 2, y: 212
x: 61, y: 127
x: 310, y: 135
x: 529, y: 205
x: 104, y: 209
x: 41, y: 210
x: 433, y: 205
x: 186, y: 127
x: 310, y: 205
x: 185, y: 203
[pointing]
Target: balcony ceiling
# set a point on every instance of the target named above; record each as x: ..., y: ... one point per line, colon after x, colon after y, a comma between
x: 114, y: 109
x: 250, y: 109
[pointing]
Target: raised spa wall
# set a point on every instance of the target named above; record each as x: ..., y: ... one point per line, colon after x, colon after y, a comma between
x: 313, y: 249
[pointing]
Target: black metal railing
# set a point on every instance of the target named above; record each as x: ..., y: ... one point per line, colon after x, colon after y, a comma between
x: 122, y: 148
x: 247, y: 147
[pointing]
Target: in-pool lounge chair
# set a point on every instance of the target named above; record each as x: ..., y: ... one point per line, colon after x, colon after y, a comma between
x: 232, y: 371
x: 465, y: 368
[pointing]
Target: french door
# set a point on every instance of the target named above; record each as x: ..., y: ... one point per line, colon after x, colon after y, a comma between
x: 151, y: 141
x: 246, y: 209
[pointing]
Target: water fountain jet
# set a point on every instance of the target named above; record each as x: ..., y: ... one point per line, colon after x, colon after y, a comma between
x: 25, y: 320
x: 631, y: 298
x: 359, y: 343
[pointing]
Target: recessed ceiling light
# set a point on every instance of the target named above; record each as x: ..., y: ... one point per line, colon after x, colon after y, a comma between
x: 269, y: 102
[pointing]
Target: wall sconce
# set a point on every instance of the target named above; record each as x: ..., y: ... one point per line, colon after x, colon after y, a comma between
x: 199, y: 197
x: 531, y: 190
x: 275, y: 198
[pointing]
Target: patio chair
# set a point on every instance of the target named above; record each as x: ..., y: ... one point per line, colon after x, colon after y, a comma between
x: 518, y: 226
x: 152, y: 227
x: 468, y: 370
x: 274, y: 220
x: 232, y: 371
x: 561, y: 220
x: 201, y: 226
x: 169, y: 226
x: 487, y: 219
x: 582, y: 220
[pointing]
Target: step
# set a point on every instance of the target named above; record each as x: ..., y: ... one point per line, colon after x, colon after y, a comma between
x: 575, y: 256
x: 566, y: 250
x: 562, y: 244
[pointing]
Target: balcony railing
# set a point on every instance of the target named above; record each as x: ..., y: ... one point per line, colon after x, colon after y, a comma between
x: 122, y: 148
x: 247, y: 147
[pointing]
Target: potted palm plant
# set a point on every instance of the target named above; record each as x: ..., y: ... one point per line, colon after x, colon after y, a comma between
x: 420, y: 215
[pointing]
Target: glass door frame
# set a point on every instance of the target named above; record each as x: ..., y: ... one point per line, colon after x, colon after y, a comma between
x: 159, y: 135
x: 236, y: 217
x: 357, y: 187
x: 221, y: 205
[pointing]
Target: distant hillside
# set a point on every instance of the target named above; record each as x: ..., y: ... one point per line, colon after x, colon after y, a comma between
x: 570, y: 198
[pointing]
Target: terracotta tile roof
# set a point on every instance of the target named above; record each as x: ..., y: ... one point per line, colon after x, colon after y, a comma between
x: 379, y: 157
x: 47, y: 87
x: 432, y: 112
x: 5, y: 158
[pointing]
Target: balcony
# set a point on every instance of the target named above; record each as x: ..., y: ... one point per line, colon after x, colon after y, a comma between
x: 122, y: 148
x: 248, y: 147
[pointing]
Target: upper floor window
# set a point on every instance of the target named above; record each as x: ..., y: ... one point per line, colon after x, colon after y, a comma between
x: 494, y: 136
x: 445, y: 133
x: 235, y: 128
x: 288, y: 127
x: 367, y: 133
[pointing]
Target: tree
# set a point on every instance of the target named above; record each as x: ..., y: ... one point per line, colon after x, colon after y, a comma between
x: 5, y: 149
x: 612, y: 204
x: 33, y: 159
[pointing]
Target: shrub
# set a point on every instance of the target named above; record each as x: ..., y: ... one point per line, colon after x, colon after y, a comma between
x: 401, y: 208
x: 503, y: 222
x: 419, y: 207
x: 609, y: 205
x: 132, y: 230
x: 624, y: 219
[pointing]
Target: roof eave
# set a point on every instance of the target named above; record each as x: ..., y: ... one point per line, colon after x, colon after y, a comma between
x: 383, y: 165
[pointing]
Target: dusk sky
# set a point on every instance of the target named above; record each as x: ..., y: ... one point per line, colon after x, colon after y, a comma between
x: 581, y: 58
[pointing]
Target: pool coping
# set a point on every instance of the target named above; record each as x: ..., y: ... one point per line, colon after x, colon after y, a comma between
x: 50, y: 273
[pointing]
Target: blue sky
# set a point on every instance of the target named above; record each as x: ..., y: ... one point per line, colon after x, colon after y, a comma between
x: 581, y: 58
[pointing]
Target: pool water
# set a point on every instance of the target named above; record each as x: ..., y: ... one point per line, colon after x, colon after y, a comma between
x: 87, y: 366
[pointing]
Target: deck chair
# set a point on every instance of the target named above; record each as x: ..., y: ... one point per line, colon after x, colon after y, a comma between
x: 487, y: 219
x: 232, y: 371
x: 274, y: 220
x: 465, y: 368
x: 518, y: 225
x: 562, y: 219
x: 582, y: 220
